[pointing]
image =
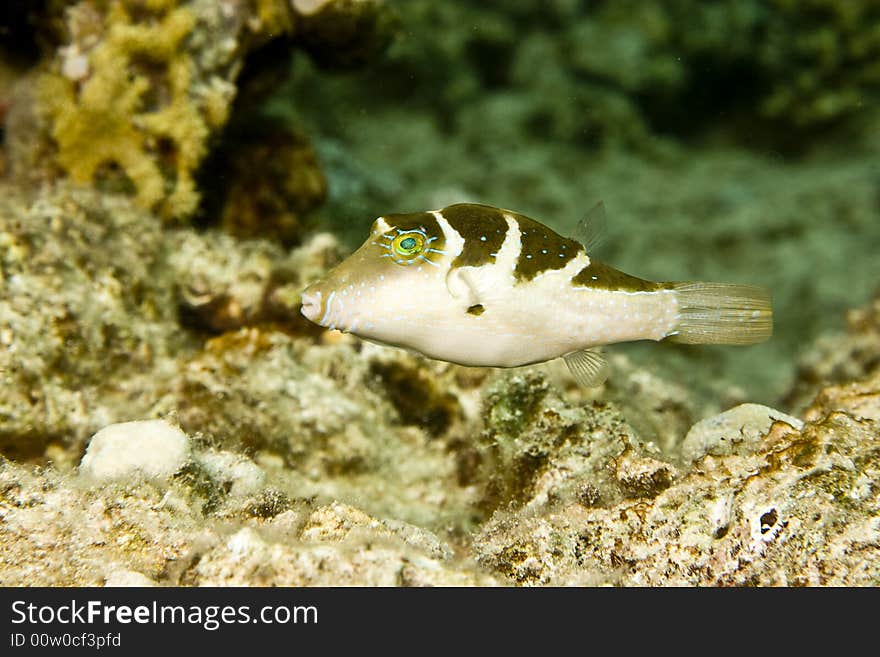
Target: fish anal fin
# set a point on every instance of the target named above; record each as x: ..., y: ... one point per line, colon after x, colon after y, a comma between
x: 588, y: 367
x: 591, y: 229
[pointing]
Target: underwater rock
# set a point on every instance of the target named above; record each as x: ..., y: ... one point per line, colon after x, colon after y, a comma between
x: 860, y: 399
x: 272, y: 180
x: 793, y: 508
x: 318, y: 422
x: 57, y: 533
x: 232, y: 472
x: 129, y: 450
x: 539, y: 449
x: 562, y: 492
x: 221, y: 283
x: 733, y: 431
x: 88, y: 342
x: 371, y: 557
x: 839, y: 357
x: 659, y: 410
x: 86, y: 316
x: 343, y: 33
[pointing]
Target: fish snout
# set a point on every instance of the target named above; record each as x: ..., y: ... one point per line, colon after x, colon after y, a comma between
x: 311, y: 305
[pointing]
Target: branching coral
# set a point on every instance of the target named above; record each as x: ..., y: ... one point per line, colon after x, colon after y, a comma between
x: 141, y: 85
x: 120, y: 115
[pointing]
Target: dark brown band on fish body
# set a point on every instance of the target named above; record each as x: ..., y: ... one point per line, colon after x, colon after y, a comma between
x: 600, y: 276
x: 416, y: 221
x: 483, y: 229
x: 542, y: 248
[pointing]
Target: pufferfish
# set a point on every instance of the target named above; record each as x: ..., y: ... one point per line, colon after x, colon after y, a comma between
x: 482, y: 286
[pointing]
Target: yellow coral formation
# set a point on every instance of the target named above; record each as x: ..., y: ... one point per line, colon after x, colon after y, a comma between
x: 275, y: 17
x: 122, y: 114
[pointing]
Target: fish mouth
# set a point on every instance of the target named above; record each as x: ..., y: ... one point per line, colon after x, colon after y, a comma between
x: 311, y: 306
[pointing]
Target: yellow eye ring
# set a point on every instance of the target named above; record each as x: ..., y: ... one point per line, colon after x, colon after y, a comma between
x: 408, y: 245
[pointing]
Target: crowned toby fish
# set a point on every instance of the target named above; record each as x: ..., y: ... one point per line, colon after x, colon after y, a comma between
x: 481, y: 286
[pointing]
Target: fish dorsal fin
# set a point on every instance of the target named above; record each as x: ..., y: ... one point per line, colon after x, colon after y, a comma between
x: 588, y: 367
x: 590, y: 230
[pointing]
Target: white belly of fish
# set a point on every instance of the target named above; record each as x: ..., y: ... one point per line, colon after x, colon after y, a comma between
x: 544, y: 319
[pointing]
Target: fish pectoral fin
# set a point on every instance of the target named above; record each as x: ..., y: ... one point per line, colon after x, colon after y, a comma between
x: 463, y: 287
x: 590, y: 230
x: 588, y: 367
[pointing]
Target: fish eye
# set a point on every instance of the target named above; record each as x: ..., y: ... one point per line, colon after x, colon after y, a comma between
x: 408, y: 245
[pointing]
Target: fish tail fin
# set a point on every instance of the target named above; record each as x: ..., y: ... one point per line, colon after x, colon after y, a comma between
x: 721, y: 313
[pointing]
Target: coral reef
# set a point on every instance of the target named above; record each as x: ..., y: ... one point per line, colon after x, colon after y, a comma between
x: 796, y: 507
x: 135, y: 90
x: 275, y: 181
x: 167, y: 417
x: 839, y: 356
x: 75, y: 269
x: 265, y: 453
x: 60, y: 531
x: 98, y: 111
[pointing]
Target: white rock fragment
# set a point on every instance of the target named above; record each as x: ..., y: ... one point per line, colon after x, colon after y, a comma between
x: 243, y: 475
x: 244, y: 542
x: 128, y: 578
x: 309, y: 7
x: 742, y: 426
x: 152, y: 449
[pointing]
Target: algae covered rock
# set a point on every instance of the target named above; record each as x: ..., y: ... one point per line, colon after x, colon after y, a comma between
x: 81, y: 304
x: 56, y: 533
x: 539, y: 450
x: 309, y: 458
x: 839, y: 356
x: 794, y: 509
x: 329, y: 552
